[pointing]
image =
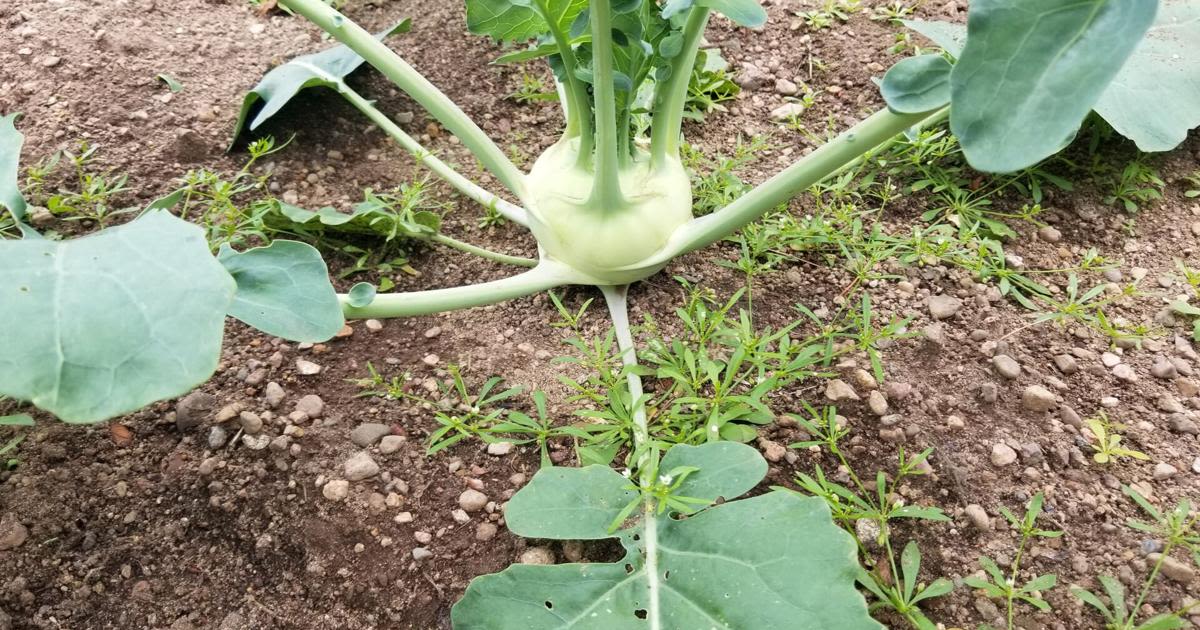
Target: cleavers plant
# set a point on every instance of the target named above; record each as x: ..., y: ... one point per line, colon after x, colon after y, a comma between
x: 135, y: 313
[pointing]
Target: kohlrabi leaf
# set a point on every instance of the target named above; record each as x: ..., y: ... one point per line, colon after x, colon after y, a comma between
x: 108, y: 323
x: 361, y: 294
x: 598, y: 494
x: 774, y: 561
x: 1155, y: 98
x: 744, y: 12
x: 519, y: 20
x: 327, y: 68
x: 1032, y: 70
x: 917, y: 84
x: 284, y: 290
x: 10, y: 160
x: 373, y: 217
x: 951, y: 37
x: 727, y: 469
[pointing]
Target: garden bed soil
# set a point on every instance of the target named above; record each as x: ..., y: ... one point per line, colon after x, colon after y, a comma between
x: 141, y: 523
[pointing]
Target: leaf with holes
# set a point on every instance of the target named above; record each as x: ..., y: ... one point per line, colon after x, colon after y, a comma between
x: 284, y: 290
x: 126, y: 317
x: 773, y: 561
x: 328, y: 68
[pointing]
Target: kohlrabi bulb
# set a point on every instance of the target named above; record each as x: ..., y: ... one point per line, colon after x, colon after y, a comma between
x: 602, y: 242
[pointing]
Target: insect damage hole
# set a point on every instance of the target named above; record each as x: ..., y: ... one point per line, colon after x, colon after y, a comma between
x: 549, y: 605
x: 640, y: 613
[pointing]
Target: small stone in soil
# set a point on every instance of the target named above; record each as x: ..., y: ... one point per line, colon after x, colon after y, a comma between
x: 374, y: 325
x: 472, y: 500
x: 13, y: 533
x: 336, y: 490
x: 498, y: 449
x: 421, y: 553
x: 403, y: 517
x: 217, y: 437
x: 978, y: 517
x: 273, y: 394
x: 460, y: 516
x: 1002, y: 454
x: 311, y: 406
x: 250, y: 422
x: 486, y: 531
x: 360, y: 467
x: 772, y: 451
x: 1174, y: 569
x: 877, y: 402
x: 1066, y: 364
x: 391, y: 443
x: 256, y: 442
x: 944, y: 306
x: 1163, y: 369
x: 1006, y: 366
x: 1125, y: 373
x: 307, y: 368
x: 838, y: 390
x: 1163, y: 470
x: 537, y: 555
x: 368, y: 433
x: 1038, y: 398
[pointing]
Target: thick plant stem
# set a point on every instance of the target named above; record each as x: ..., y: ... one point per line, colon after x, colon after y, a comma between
x: 816, y: 166
x: 483, y: 253
x: 668, y: 111
x: 470, y: 189
x: 418, y: 87
x: 618, y: 308
x: 606, y: 187
x: 547, y: 275
x: 579, y: 118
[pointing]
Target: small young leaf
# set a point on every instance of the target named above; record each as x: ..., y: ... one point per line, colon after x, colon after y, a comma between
x: 172, y: 83
x: 727, y: 469
x: 361, y: 294
x: 917, y: 84
x: 16, y: 420
x: 284, y: 290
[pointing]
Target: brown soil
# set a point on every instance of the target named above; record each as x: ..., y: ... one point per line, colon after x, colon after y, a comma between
x: 130, y: 534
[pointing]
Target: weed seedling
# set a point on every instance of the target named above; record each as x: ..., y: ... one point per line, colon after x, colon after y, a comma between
x: 1176, y: 529
x: 996, y: 585
x: 1106, y: 442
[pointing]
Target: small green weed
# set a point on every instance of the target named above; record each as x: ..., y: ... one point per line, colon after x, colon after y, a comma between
x: 996, y: 585
x: 1106, y: 441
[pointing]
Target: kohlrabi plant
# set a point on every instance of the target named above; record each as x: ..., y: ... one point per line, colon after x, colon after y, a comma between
x: 102, y: 325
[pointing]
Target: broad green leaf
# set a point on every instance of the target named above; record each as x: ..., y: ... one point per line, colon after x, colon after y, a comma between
x: 1155, y: 99
x: 569, y: 503
x: 125, y: 317
x: 1033, y: 69
x: 744, y: 12
x: 327, y: 68
x: 519, y: 20
x: 917, y: 84
x: 773, y: 561
x: 727, y: 469
x: 284, y: 290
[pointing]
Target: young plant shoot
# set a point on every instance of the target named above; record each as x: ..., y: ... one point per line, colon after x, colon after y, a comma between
x: 114, y: 321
